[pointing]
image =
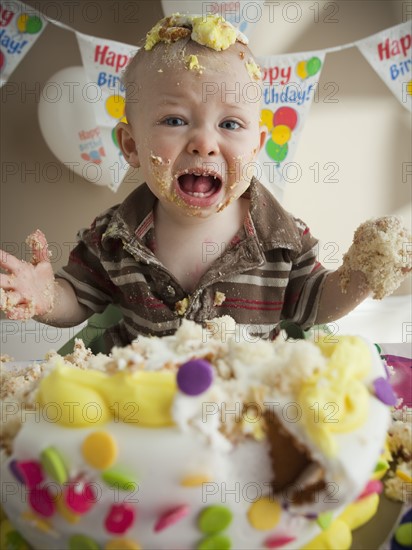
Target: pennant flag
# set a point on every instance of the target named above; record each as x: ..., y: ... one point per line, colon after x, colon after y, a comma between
x: 242, y: 14
x: 390, y: 54
x: 289, y: 86
x: 103, y: 61
x: 20, y: 27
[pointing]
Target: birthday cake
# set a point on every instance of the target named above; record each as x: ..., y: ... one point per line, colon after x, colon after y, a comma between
x: 207, y: 439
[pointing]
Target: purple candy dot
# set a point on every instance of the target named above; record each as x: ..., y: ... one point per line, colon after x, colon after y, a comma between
x: 384, y: 391
x: 14, y: 469
x: 195, y: 376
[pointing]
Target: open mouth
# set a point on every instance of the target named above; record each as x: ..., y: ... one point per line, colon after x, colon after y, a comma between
x: 199, y: 188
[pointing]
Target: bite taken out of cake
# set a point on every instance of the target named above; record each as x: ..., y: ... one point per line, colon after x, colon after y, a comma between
x: 205, y: 439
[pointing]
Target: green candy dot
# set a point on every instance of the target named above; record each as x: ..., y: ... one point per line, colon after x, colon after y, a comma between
x: 119, y: 480
x: 324, y: 520
x: 215, y: 542
x: 53, y: 463
x: 82, y: 542
x: 214, y: 519
x: 403, y: 534
x: 33, y: 25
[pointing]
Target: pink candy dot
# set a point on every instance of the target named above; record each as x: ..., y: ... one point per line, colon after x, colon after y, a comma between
x: 278, y: 541
x: 80, y: 497
x: 373, y: 486
x: 171, y: 517
x: 42, y: 501
x: 31, y: 472
x: 119, y: 518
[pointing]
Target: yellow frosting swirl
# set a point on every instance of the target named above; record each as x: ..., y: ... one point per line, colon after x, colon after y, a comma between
x: 335, y: 400
x: 90, y: 397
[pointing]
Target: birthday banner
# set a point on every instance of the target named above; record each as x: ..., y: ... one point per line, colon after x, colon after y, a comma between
x: 389, y: 53
x: 20, y: 27
x: 103, y: 61
x: 289, y: 86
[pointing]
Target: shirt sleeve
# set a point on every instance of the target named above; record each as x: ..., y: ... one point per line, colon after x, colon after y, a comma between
x: 305, y: 284
x: 85, y: 270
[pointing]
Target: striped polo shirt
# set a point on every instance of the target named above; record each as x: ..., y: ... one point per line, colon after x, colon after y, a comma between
x: 269, y: 272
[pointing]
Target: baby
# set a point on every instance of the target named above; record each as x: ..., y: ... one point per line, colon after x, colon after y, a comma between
x: 202, y: 238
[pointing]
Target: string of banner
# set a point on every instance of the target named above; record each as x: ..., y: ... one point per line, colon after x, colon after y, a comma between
x: 90, y: 99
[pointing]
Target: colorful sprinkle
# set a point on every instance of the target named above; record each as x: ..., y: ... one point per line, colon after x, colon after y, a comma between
x: 403, y: 535
x: 122, y: 544
x: 64, y: 512
x: 31, y: 473
x: 82, y: 542
x: 80, y: 497
x: 37, y: 522
x: 324, y: 520
x: 384, y: 391
x: 14, y: 469
x: 171, y: 517
x: 373, y: 486
x: 119, y: 479
x: 215, y: 542
x: 42, y: 501
x: 54, y: 465
x: 404, y: 476
x: 278, y: 541
x: 264, y: 513
x: 195, y: 377
x: 195, y: 480
x: 120, y: 518
x: 100, y: 450
x: 214, y: 518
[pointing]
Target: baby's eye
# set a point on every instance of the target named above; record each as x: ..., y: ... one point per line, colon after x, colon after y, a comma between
x: 174, y: 121
x: 230, y: 125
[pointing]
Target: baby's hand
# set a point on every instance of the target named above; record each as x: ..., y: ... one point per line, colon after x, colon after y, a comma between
x: 27, y: 289
x: 382, y: 250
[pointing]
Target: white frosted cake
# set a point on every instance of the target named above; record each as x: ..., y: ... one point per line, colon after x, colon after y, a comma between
x: 200, y: 440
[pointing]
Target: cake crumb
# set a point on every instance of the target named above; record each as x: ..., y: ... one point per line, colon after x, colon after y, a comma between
x: 181, y: 306
x: 220, y: 297
x: 192, y: 64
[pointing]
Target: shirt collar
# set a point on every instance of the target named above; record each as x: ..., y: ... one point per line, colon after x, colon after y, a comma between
x: 273, y: 225
x: 268, y: 222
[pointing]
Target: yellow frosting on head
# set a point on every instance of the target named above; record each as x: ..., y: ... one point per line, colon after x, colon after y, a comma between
x: 209, y: 30
x: 335, y: 400
x: 90, y: 397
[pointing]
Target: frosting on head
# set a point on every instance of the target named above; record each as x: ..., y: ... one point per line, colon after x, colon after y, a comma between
x: 210, y: 30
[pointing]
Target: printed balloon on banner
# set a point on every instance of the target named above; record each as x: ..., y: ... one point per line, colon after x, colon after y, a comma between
x: 68, y: 124
x: 21, y: 25
x: 242, y: 14
x: 289, y: 86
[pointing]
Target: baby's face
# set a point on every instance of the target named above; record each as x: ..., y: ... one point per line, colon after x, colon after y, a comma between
x: 197, y: 135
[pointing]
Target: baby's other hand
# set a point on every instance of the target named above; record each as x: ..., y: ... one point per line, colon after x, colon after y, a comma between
x: 382, y: 250
x: 27, y: 288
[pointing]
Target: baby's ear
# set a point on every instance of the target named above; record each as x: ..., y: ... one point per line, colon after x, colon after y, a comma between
x: 263, y: 132
x: 127, y: 144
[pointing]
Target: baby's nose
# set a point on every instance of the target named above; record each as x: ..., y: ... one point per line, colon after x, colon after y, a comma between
x: 203, y: 143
